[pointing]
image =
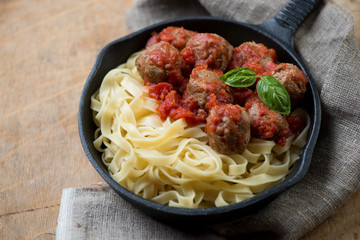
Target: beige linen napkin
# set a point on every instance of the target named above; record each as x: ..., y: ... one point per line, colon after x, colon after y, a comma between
x: 328, y: 46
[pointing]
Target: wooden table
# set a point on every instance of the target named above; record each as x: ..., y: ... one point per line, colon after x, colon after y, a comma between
x: 47, y: 50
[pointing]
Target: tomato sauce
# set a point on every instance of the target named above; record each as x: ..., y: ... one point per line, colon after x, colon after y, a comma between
x: 174, y: 106
x: 241, y: 94
x: 296, y: 124
x: 152, y: 40
x: 160, y: 91
x: 188, y: 55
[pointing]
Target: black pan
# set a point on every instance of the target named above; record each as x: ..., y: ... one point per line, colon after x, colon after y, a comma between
x: 276, y: 33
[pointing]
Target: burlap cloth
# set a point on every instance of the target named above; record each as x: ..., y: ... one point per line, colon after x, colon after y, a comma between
x: 328, y: 46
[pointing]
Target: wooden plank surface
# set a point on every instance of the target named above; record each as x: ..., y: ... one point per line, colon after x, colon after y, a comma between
x: 47, y: 50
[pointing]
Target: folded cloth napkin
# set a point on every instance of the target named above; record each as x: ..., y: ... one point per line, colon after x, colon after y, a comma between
x: 327, y: 44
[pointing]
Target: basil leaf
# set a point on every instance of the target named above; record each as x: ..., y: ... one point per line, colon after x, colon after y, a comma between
x: 274, y: 94
x: 239, y: 77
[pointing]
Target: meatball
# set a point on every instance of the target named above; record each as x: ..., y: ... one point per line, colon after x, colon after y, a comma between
x: 293, y: 79
x: 228, y: 128
x: 205, y: 89
x: 208, y: 49
x: 176, y: 36
x: 255, y: 56
x: 161, y: 62
x: 266, y: 123
x: 153, y: 39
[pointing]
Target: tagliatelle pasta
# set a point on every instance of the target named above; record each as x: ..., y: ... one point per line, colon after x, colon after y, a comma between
x: 170, y: 162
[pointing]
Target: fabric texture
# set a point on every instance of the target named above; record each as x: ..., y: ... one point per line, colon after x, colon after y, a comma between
x: 327, y: 44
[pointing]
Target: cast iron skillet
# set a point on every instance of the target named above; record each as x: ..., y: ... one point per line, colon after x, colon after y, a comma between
x: 276, y: 33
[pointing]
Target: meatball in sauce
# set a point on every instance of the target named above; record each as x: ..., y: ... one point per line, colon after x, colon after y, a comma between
x: 228, y: 129
x: 182, y: 69
x: 293, y: 79
x: 255, y: 56
x: 209, y: 50
x: 205, y: 89
x: 161, y: 62
x: 266, y: 123
x: 176, y: 36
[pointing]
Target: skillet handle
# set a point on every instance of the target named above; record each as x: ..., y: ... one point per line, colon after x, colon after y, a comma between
x: 285, y: 23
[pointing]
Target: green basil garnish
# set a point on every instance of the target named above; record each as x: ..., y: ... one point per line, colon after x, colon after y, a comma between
x: 274, y: 94
x: 239, y: 77
x: 269, y: 89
